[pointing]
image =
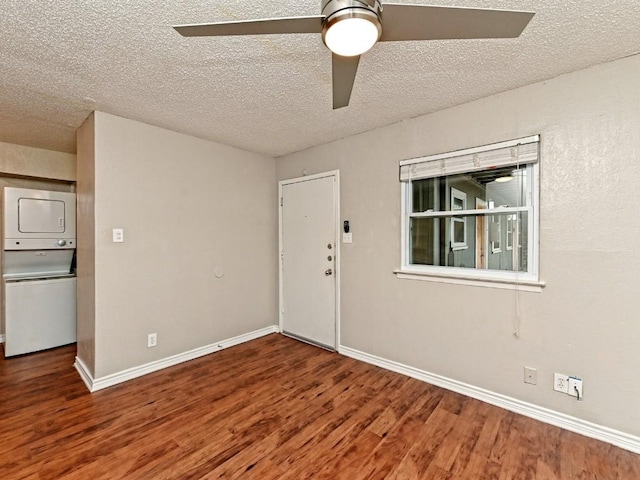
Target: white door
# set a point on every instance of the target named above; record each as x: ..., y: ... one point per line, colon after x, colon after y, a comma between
x: 308, y: 258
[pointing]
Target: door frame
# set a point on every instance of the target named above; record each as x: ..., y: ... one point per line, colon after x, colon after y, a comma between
x: 336, y: 241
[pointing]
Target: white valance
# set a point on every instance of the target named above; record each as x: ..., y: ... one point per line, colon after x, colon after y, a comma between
x: 514, y: 152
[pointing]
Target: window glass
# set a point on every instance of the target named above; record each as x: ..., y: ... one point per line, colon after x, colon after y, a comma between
x: 479, y: 220
x: 500, y: 187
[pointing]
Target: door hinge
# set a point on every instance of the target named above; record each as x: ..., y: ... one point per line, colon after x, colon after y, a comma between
x: 281, y: 202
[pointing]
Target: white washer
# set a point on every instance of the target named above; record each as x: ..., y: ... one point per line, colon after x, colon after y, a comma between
x: 40, y: 313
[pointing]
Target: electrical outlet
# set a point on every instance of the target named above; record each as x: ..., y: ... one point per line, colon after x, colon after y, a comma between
x: 152, y: 340
x: 530, y: 375
x: 575, y: 387
x: 561, y: 382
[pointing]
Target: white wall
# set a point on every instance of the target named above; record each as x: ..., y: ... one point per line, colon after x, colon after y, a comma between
x: 585, y: 322
x: 186, y: 206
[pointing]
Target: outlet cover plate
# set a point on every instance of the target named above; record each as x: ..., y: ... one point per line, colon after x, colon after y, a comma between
x: 530, y: 375
x: 561, y: 382
x: 575, y: 387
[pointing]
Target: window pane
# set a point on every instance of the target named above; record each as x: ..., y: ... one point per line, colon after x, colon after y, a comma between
x: 489, y: 242
x: 493, y: 188
x: 507, y: 188
x: 424, y: 195
x: 458, y: 230
x: 506, y: 240
x: 424, y: 246
x: 522, y: 236
x: 443, y: 241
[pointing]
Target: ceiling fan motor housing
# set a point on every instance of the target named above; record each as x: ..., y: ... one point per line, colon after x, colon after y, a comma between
x: 329, y: 7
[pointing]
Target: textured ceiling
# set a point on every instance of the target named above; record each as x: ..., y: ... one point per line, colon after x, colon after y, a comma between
x: 268, y: 94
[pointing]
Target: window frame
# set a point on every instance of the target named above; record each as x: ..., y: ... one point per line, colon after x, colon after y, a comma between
x: 496, y: 245
x: 462, y: 196
x: 492, y: 277
x: 510, y: 231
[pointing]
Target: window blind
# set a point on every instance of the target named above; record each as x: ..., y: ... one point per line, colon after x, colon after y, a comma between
x: 514, y: 152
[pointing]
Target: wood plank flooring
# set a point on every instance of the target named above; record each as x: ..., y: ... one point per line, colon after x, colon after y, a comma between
x: 274, y: 408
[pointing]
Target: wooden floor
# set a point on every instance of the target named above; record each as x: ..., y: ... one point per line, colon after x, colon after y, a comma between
x: 274, y: 408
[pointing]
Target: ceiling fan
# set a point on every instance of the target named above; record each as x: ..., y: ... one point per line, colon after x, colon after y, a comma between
x: 350, y: 28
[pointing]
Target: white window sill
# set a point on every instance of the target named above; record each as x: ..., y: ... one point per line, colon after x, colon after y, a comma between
x: 507, y: 284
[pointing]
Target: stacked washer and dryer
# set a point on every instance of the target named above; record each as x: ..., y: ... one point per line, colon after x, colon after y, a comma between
x: 39, y: 284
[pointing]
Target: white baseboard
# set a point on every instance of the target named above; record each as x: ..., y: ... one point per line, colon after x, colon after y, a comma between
x: 583, y: 427
x: 95, y: 384
x: 1, y: 338
x: 84, y: 373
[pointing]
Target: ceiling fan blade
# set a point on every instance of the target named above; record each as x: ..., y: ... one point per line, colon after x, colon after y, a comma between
x: 422, y: 22
x: 344, y: 75
x: 253, y: 27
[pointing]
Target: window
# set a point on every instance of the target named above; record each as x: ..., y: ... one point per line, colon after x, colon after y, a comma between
x: 458, y: 225
x: 495, y: 234
x: 511, y: 219
x: 473, y: 213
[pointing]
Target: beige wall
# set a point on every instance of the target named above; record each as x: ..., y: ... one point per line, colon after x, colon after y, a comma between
x: 85, y: 253
x: 187, y: 207
x: 36, y: 162
x: 585, y: 322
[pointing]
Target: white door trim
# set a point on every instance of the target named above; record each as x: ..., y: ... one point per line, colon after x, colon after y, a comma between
x: 337, y: 270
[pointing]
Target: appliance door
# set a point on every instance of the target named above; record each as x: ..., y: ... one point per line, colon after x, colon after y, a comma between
x: 41, y: 215
x: 39, y: 314
x: 21, y: 264
x: 38, y: 219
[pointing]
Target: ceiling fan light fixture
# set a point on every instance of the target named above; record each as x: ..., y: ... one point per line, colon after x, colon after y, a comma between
x: 351, y: 32
x: 504, y: 179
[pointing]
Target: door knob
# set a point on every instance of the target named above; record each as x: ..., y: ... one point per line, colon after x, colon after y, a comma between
x: 328, y: 272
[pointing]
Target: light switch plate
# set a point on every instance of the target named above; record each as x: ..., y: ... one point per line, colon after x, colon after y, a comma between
x: 118, y: 235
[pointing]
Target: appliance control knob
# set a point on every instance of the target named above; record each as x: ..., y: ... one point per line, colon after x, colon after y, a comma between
x: 62, y: 243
